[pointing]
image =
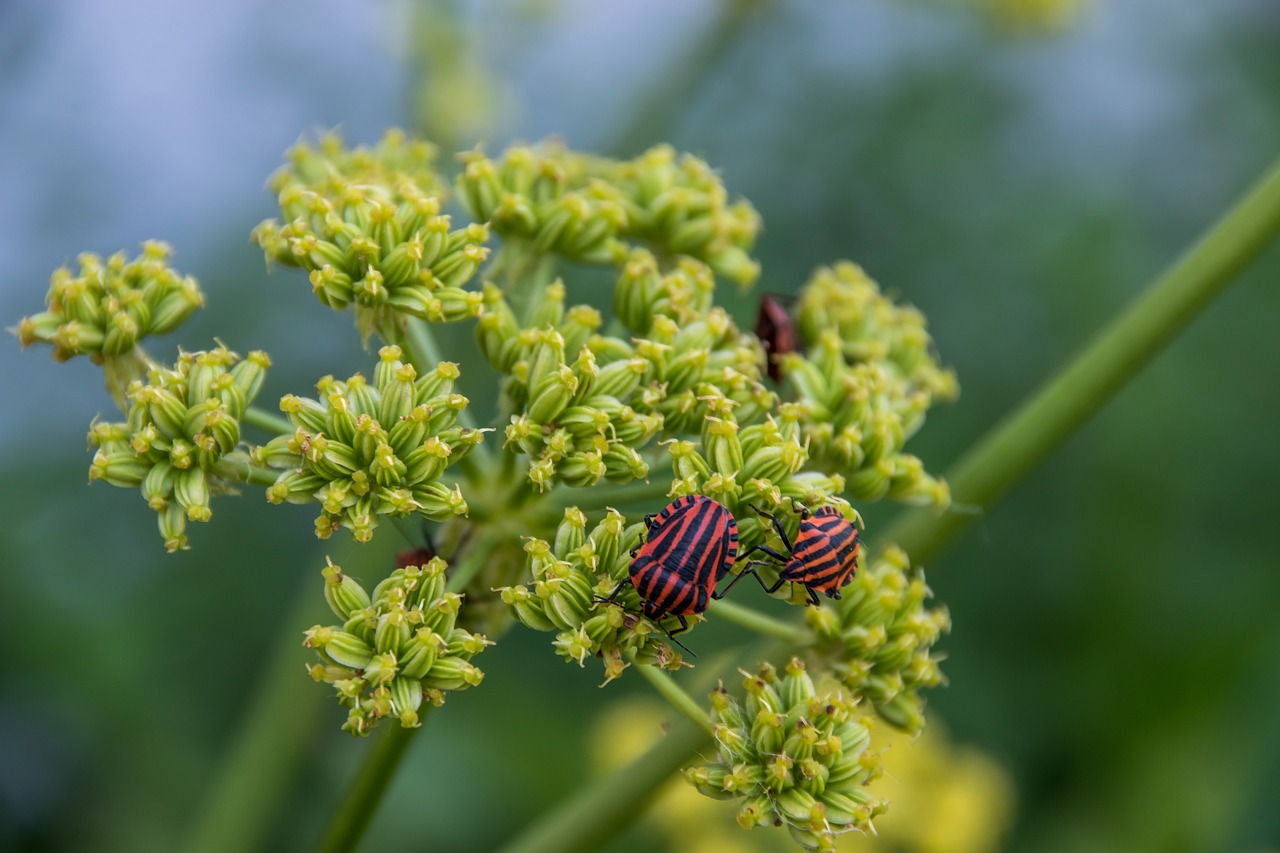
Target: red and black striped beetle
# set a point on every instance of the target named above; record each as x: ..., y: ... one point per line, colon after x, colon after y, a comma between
x: 823, y: 558
x: 692, y: 544
x: 777, y: 333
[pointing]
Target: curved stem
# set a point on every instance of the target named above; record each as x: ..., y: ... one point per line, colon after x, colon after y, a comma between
x: 1016, y: 445
x: 424, y: 354
x: 246, y: 472
x: 267, y: 422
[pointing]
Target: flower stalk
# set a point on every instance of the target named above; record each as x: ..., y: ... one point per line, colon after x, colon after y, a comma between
x: 1023, y: 439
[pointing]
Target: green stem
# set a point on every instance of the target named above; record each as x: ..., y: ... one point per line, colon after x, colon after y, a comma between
x: 371, y: 782
x: 1016, y: 445
x: 598, y: 812
x: 246, y: 472
x: 424, y: 354
x: 267, y: 422
x: 257, y: 774
x: 673, y: 693
x: 756, y: 621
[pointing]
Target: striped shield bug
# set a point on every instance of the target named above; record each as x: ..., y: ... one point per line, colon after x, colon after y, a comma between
x: 777, y: 333
x: 823, y: 557
x: 691, y: 545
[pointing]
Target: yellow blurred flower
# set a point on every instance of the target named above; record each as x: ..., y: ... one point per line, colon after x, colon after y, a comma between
x: 945, y: 797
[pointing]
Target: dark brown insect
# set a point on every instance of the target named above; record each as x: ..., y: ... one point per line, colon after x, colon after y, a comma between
x: 777, y: 333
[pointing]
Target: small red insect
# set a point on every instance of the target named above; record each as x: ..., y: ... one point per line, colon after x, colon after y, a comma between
x: 692, y: 544
x: 823, y: 558
x: 777, y: 333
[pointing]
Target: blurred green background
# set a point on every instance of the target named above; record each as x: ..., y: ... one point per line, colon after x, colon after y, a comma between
x: 1116, y: 648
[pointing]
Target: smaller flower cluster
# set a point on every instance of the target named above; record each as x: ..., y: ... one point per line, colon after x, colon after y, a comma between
x: 568, y: 575
x: 396, y: 648
x: 372, y: 234
x: 365, y: 450
x: 871, y: 327
x: 680, y: 206
x: 865, y: 384
x: 880, y: 636
x: 583, y: 207
x: 540, y: 196
x: 572, y: 420
x: 183, y: 427
x: 108, y: 308
x: 793, y: 757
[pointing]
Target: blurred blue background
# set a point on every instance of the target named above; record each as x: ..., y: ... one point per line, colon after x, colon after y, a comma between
x: 1115, y: 648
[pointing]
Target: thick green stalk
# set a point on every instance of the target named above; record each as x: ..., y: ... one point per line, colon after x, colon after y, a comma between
x: 1016, y: 445
x: 371, y: 782
x: 257, y: 775
x: 598, y: 812
x: 1009, y: 452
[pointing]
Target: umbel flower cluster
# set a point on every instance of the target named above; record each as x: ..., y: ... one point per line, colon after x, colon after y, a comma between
x: 792, y: 756
x: 395, y: 649
x: 609, y: 402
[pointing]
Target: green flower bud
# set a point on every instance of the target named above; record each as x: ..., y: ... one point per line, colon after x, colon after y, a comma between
x: 452, y: 674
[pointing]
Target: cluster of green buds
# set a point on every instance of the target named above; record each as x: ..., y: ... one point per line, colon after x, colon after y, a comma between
x: 106, y: 310
x: 180, y: 442
x: 865, y: 383
x: 368, y: 227
x: 582, y: 207
x: 570, y: 575
x: 569, y: 414
x: 792, y: 757
x: 878, y: 639
x: 394, y: 649
x: 364, y: 450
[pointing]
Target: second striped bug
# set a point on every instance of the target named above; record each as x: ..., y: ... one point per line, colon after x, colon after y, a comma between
x: 823, y: 557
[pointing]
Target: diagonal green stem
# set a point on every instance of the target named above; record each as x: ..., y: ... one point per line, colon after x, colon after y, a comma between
x: 1009, y: 452
x: 1024, y: 438
x: 371, y: 782
x: 258, y: 772
x: 675, y: 694
x: 597, y: 812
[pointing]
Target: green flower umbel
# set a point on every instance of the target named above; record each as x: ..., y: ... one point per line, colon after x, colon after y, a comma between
x: 179, y: 444
x: 367, y: 225
x: 879, y: 638
x: 396, y: 648
x: 793, y: 757
x: 106, y: 310
x: 364, y: 450
x: 864, y: 385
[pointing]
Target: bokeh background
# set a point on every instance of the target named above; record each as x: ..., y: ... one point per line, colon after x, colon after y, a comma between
x: 1115, y: 662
